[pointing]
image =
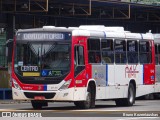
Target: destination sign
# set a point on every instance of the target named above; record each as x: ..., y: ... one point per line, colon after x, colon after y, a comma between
x: 43, y: 36
x: 29, y: 68
x: 39, y: 36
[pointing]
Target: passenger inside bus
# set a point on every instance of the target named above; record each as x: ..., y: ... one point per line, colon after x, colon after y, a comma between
x: 97, y: 58
x: 94, y: 57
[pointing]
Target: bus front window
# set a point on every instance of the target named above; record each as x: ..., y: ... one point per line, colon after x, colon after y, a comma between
x: 46, y: 60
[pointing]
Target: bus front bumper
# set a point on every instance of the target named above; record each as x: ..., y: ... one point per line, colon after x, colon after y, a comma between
x: 70, y: 94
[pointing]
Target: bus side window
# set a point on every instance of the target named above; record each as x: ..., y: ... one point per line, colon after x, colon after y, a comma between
x: 144, y: 52
x: 94, y: 55
x: 107, y: 51
x: 120, y: 51
x: 132, y: 51
x: 156, y: 54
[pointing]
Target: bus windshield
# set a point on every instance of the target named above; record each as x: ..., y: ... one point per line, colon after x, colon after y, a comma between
x: 49, y: 59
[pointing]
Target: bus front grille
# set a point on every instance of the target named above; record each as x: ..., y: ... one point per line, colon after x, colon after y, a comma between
x: 33, y: 94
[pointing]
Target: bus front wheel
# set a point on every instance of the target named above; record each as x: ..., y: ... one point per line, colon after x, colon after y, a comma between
x: 38, y: 104
x: 88, y: 102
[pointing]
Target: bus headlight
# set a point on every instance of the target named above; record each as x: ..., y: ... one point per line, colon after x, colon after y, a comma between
x: 65, y: 85
x: 16, y: 84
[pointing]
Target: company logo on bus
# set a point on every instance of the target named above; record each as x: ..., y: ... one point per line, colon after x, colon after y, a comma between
x: 131, y: 71
x: 98, y: 74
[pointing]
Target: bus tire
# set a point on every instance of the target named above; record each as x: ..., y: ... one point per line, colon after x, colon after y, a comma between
x: 77, y: 104
x: 87, y: 103
x: 130, y: 100
x: 38, y: 104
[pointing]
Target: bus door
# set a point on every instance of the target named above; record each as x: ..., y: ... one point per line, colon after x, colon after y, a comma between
x: 79, y: 71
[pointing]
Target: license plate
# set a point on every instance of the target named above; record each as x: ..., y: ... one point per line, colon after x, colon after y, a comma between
x: 39, y: 98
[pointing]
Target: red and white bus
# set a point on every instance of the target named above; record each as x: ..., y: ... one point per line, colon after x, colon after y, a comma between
x: 156, y: 94
x: 82, y: 65
x: 157, y: 61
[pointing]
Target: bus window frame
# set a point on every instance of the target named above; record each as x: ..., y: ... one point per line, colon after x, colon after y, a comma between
x: 98, y: 63
x: 128, y: 40
x: 112, y: 39
x: 120, y: 39
x: 156, y: 53
x: 150, y: 51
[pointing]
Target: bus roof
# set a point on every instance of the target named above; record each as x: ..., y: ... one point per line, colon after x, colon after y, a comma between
x: 156, y: 38
x: 94, y: 31
x: 102, y: 28
x: 46, y: 28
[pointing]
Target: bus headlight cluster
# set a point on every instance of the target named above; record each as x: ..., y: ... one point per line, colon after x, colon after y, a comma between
x: 16, y: 84
x: 65, y: 85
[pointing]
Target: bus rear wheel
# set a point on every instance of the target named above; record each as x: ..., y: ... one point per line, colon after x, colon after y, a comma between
x: 130, y: 100
x: 38, y: 104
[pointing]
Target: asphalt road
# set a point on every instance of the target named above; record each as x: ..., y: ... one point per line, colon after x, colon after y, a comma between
x: 104, y: 110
